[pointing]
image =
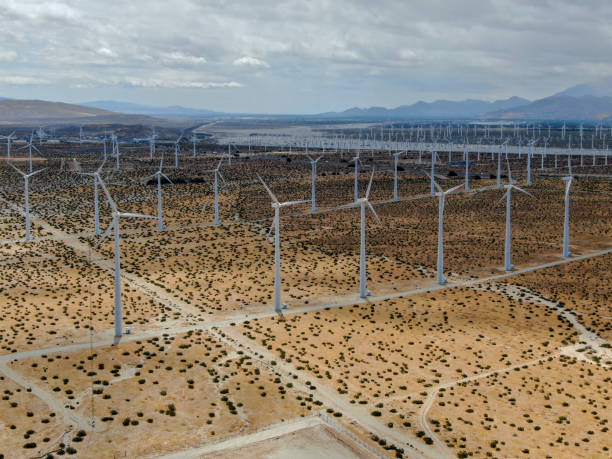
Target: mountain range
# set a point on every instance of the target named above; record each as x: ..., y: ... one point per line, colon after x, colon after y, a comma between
x: 41, y: 112
x: 439, y: 109
x: 173, y: 111
x: 588, y: 101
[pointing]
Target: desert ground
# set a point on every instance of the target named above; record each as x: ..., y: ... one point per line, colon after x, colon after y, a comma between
x: 490, y: 364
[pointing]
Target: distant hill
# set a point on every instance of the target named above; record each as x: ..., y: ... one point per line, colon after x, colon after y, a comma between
x: 600, y: 88
x: 37, y: 112
x: 438, y: 109
x: 560, y: 107
x: 174, y: 111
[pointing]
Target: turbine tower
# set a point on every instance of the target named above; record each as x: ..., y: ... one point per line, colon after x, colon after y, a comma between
x: 176, y: 149
x: 566, y: 220
x: 29, y: 146
x: 395, y: 160
x: 276, y: 205
x: 217, y: 173
x: 158, y: 175
x: 229, y: 153
x: 151, y: 140
x: 441, y: 194
x: 508, y: 266
x: 9, y: 138
x: 356, y: 186
x: 313, y: 193
x: 95, y: 176
x: 362, y: 203
x: 114, y: 226
x: 26, y: 179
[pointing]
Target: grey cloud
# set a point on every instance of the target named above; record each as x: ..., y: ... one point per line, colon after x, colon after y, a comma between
x: 271, y: 56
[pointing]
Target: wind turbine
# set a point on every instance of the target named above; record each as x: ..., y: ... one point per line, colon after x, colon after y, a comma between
x: 276, y: 223
x: 441, y: 194
x: 193, y: 141
x: 29, y: 146
x: 217, y: 173
x: 467, y: 169
x: 508, y: 266
x: 395, y: 160
x: 229, y: 153
x: 566, y: 220
x: 313, y: 193
x: 96, y: 176
x: 176, y: 148
x: 362, y: 203
x: 115, y: 144
x: 356, y: 186
x: 151, y: 140
x: 114, y: 226
x: 9, y: 138
x: 26, y: 178
x: 159, y: 174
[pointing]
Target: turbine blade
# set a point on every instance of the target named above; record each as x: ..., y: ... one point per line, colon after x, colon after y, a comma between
x: 310, y: 158
x: 18, y: 170
x: 501, y: 199
x: 454, y: 189
x: 100, y: 168
x: 219, y: 165
x: 37, y: 172
x: 128, y: 214
x: 522, y: 191
x: 267, y: 189
x: 370, y: 184
x: 374, y: 212
x: 220, y: 175
x: 349, y: 205
x: 166, y: 177
x: 293, y: 203
x: 104, y: 235
x: 108, y: 196
x: 434, y: 182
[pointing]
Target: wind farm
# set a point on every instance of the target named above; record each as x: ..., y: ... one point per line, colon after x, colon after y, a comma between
x: 206, y: 254
x: 211, y: 292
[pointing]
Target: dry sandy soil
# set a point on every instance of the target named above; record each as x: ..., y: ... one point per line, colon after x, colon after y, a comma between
x: 481, y: 368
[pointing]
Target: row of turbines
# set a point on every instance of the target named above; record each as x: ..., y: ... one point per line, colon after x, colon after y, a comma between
x: 363, y: 204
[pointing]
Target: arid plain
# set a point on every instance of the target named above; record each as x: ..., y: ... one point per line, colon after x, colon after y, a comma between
x: 491, y: 364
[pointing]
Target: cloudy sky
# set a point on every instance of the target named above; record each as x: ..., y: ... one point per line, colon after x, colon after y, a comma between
x: 299, y: 56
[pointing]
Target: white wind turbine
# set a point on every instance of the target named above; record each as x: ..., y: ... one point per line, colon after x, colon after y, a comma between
x: 114, y: 226
x: 115, y: 145
x: 158, y: 175
x: 467, y: 169
x: 217, y: 173
x: 356, y: 186
x: 26, y: 179
x: 432, y: 185
x: 151, y: 140
x: 95, y: 176
x: 9, y: 138
x: 276, y: 223
x: 193, y: 142
x: 313, y: 193
x: 508, y: 266
x: 362, y: 203
x: 176, y: 149
x: 229, y: 154
x: 566, y: 219
x: 29, y: 146
x: 441, y: 194
x: 395, y: 160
